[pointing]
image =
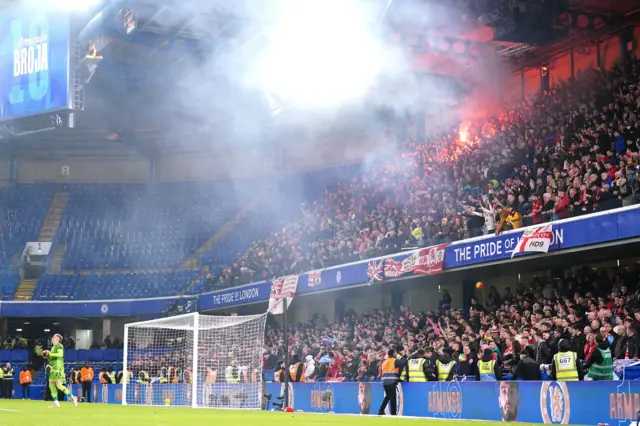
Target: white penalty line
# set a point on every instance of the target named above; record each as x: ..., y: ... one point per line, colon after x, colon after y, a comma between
x: 10, y: 411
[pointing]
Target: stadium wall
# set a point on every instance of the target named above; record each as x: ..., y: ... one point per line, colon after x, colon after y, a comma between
x: 251, y: 162
x: 608, y: 402
x: 5, y: 170
x: 82, y: 170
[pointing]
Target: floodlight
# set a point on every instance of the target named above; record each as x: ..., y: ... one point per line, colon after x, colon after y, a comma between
x: 319, y: 53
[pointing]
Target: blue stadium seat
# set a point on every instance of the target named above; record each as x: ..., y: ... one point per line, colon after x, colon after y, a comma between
x: 19, y: 355
x: 120, y: 355
x: 95, y: 355
x: 5, y: 355
x: 70, y: 355
x: 83, y: 355
x: 110, y: 355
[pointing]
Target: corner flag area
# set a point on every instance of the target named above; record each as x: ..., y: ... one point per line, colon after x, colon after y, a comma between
x: 20, y: 413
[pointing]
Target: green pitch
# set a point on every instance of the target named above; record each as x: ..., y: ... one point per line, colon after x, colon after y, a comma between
x: 21, y: 413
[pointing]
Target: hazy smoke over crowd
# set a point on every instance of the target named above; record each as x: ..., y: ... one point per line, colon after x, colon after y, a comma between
x: 272, y: 75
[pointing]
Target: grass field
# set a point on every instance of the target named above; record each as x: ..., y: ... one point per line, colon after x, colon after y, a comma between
x: 27, y: 413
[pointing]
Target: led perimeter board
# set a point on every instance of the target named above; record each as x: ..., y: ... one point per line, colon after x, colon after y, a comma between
x: 35, y: 62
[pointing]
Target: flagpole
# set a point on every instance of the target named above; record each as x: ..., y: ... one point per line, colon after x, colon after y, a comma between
x: 286, y: 352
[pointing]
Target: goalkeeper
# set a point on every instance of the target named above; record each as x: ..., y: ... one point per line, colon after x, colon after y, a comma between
x: 57, y: 378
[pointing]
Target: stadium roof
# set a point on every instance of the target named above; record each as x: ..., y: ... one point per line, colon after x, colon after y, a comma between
x: 446, y: 40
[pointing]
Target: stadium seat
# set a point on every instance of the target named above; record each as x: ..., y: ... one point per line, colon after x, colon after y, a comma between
x: 82, y: 355
x: 120, y: 355
x: 19, y: 355
x: 5, y: 355
x: 110, y: 355
x: 95, y: 355
x: 70, y: 355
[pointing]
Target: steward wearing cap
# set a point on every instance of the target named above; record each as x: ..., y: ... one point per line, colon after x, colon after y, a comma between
x: 419, y: 368
x: 600, y: 362
x: 566, y: 364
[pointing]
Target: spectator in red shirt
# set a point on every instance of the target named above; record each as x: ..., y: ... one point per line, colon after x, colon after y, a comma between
x: 335, y: 367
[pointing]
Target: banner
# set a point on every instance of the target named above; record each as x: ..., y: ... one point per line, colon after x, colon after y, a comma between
x: 429, y: 261
x: 580, y: 403
x: 314, y: 278
x: 594, y: 229
x: 534, y: 240
x: 282, y: 288
x: 250, y: 293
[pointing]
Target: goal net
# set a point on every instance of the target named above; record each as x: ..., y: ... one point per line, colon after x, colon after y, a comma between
x: 194, y: 360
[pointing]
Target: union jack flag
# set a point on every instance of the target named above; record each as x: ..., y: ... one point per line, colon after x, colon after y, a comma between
x: 375, y: 270
x: 392, y: 268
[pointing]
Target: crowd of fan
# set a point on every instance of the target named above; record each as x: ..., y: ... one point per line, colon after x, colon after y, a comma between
x: 535, y: 317
x: 569, y: 151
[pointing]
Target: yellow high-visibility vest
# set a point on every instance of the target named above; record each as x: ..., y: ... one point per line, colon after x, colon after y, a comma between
x: 444, y: 370
x: 565, y: 363
x: 416, y: 370
x: 487, y: 370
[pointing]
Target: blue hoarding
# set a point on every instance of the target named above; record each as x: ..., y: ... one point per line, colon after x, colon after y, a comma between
x: 250, y: 293
x: 104, y: 308
x: 573, y: 233
x: 35, y: 66
x: 530, y: 402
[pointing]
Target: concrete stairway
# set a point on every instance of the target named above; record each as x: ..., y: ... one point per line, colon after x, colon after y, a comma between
x: 55, y: 262
x: 192, y: 261
x: 54, y: 215
x: 25, y: 289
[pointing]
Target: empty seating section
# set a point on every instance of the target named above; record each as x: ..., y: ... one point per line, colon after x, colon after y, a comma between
x: 121, y: 285
x: 120, y: 241
x: 14, y: 355
x: 8, y: 284
x: 23, y: 208
x: 140, y: 226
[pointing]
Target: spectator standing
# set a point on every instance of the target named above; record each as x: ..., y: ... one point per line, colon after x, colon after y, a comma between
x: 600, y: 364
x: 25, y: 382
x: 527, y: 368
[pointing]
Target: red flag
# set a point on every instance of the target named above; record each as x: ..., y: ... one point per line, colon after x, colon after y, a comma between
x: 314, y: 278
x: 429, y: 261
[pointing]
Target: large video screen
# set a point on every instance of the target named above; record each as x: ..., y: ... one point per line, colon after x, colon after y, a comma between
x: 35, y: 71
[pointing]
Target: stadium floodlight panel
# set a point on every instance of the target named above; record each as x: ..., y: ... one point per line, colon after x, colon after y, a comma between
x: 319, y: 54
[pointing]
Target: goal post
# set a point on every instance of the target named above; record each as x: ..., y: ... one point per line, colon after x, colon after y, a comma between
x: 195, y: 360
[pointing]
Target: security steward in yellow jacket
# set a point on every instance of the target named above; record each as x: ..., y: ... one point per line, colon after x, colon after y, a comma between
x: 566, y: 365
x: 446, y: 366
x: 418, y: 368
x: 488, y: 370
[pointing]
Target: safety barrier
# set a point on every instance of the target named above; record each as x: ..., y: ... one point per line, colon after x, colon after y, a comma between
x: 532, y: 402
